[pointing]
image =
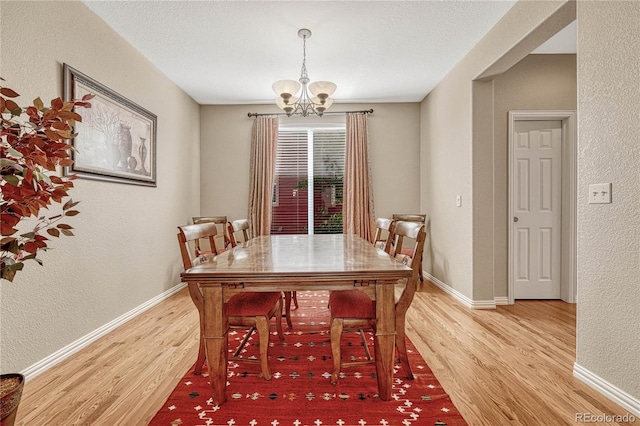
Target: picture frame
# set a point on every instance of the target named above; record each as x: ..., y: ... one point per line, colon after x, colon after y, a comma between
x: 116, y: 139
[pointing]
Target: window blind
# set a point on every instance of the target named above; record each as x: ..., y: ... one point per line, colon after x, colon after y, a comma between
x: 309, y: 181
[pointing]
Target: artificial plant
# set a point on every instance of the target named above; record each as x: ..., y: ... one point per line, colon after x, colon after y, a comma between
x: 35, y: 144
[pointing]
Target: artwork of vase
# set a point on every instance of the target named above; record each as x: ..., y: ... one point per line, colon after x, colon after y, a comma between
x: 131, y: 162
x: 142, y: 154
x: 124, y: 144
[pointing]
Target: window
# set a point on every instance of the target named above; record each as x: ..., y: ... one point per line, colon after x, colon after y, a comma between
x: 309, y: 181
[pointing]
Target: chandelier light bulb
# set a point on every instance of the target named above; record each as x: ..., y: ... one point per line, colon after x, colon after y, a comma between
x: 326, y: 103
x: 286, y: 105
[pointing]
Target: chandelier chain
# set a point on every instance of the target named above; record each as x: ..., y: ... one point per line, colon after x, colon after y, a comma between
x: 303, y: 71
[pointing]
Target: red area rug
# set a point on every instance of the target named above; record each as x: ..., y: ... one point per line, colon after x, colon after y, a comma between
x: 300, y: 393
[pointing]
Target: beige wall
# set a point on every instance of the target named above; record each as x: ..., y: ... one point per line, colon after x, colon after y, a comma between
x: 457, y: 149
x: 538, y: 82
x: 608, y: 331
x: 125, y: 251
x: 393, y: 138
x: 457, y: 156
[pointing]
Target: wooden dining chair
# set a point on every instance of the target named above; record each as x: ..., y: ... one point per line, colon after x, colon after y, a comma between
x: 382, y: 232
x: 354, y: 310
x: 221, y: 223
x: 418, y: 218
x: 251, y: 310
x: 240, y: 229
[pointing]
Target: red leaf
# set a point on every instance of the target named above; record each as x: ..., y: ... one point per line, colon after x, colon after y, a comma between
x: 88, y: 97
x: 38, y: 141
x: 59, y: 125
x: 50, y: 114
x: 70, y: 204
x: 30, y: 247
x: 29, y: 176
x: 70, y: 115
x: 52, y: 135
x: 8, y: 92
x: 11, y: 106
x: 34, y: 210
x: 6, y: 228
x: 57, y: 104
x: 32, y: 112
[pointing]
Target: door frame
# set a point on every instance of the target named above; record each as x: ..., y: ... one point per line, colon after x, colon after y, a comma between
x: 568, y: 284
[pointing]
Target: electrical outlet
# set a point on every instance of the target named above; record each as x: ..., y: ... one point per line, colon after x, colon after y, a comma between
x: 600, y: 193
x: 459, y: 201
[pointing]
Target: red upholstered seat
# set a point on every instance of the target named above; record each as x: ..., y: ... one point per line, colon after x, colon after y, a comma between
x: 351, y: 304
x: 252, y: 304
x: 407, y: 251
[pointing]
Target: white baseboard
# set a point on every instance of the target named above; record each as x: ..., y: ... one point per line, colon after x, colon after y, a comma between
x: 56, y: 357
x: 618, y: 396
x: 502, y: 300
x: 473, y: 304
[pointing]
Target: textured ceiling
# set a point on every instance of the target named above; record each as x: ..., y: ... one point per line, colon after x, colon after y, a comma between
x: 230, y: 52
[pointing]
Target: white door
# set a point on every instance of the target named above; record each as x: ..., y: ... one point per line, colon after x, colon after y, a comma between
x: 537, y: 209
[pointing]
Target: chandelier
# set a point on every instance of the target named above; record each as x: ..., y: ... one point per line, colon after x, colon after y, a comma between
x: 293, y: 97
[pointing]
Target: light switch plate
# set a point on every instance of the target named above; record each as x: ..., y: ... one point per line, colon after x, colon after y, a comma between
x: 459, y: 201
x: 600, y: 193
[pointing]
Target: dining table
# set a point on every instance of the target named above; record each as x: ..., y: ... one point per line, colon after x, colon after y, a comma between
x: 295, y: 263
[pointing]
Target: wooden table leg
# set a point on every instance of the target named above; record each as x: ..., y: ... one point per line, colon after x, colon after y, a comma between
x: 196, y: 296
x: 215, y: 336
x: 384, y: 338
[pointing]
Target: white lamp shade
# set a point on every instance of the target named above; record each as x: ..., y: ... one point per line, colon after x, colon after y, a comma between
x: 319, y: 88
x: 327, y: 102
x: 286, y: 86
x: 282, y: 105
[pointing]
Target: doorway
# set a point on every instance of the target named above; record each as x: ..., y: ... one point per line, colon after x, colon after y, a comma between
x: 542, y: 175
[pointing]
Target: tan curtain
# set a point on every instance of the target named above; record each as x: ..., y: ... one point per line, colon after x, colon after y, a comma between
x: 357, y: 210
x: 264, y: 139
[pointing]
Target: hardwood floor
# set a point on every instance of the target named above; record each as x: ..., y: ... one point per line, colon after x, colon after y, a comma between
x: 122, y: 378
x: 509, y: 366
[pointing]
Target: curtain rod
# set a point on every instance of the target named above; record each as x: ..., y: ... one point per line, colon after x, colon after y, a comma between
x: 255, y: 114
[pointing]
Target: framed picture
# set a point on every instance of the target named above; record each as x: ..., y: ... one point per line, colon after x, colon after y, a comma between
x: 116, y: 140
